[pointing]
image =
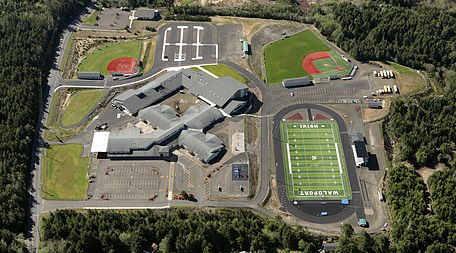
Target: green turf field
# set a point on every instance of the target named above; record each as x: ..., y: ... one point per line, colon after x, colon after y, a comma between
x: 325, y: 64
x: 64, y: 175
x: 283, y: 59
x: 80, y: 105
x: 99, y: 59
x: 314, y: 161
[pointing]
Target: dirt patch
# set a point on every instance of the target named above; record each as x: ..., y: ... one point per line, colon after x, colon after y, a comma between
x: 409, y: 83
x: 181, y: 101
x: 371, y: 115
x: 426, y: 172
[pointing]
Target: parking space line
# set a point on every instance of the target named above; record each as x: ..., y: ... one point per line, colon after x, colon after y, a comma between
x: 181, y: 44
x: 198, y: 43
x: 165, y: 44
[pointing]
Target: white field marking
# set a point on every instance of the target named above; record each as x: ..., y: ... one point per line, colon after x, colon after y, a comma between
x: 198, y: 43
x: 127, y: 207
x: 165, y: 44
x: 289, y: 160
x: 181, y: 44
x: 338, y: 160
x: 322, y: 158
x: 208, y: 72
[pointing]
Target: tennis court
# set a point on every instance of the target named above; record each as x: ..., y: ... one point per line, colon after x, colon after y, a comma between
x: 314, y: 161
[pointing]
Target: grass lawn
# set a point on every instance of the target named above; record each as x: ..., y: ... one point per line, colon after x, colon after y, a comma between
x: 65, y: 172
x: 92, y: 18
x: 325, y: 64
x: 408, y: 79
x: 283, y: 59
x: 101, y: 57
x: 314, y: 161
x: 223, y: 70
x: 80, y: 105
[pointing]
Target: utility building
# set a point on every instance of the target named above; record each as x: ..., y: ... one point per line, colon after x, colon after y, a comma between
x: 89, y: 75
x: 296, y: 82
x: 147, y: 14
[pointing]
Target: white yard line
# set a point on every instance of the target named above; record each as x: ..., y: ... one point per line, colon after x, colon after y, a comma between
x: 322, y: 159
x: 338, y: 160
x: 289, y: 159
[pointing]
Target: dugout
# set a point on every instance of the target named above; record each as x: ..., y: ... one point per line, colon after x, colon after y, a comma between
x: 296, y: 82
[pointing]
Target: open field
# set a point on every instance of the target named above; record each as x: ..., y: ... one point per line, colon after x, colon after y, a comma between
x: 314, y: 161
x: 283, y: 59
x: 80, y: 105
x: 408, y: 79
x: 223, y: 70
x: 101, y: 57
x: 65, y: 172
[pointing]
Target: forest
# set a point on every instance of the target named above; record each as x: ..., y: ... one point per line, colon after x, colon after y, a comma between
x: 188, y: 230
x: 26, y: 30
x: 419, y: 37
x: 287, y: 10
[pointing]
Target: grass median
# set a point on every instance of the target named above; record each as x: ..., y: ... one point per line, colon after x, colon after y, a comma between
x: 80, y: 105
x: 223, y: 70
x: 64, y: 175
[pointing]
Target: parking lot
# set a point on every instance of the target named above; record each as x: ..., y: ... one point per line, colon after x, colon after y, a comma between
x: 129, y: 180
x: 183, y: 44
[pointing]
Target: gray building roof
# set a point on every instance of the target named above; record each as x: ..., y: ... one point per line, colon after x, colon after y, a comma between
x: 130, y: 141
x: 153, y: 92
x: 295, y: 82
x: 148, y: 14
x: 375, y: 105
x: 218, y: 91
x: 204, y: 146
x: 200, y: 116
x: 89, y: 75
x: 160, y: 116
x: 234, y: 105
x: 360, y: 148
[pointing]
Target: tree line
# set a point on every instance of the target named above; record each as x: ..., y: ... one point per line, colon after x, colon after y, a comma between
x: 175, y: 230
x: 28, y: 34
x: 419, y: 37
x: 284, y: 10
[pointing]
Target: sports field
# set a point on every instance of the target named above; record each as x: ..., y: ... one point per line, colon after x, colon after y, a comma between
x: 101, y: 57
x: 314, y: 161
x: 284, y: 58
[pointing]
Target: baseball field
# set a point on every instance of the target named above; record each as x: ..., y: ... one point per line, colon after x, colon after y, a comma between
x: 302, y: 54
x: 100, y: 58
x: 314, y: 161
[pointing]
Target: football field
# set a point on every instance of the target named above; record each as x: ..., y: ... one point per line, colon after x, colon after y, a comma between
x: 314, y: 161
